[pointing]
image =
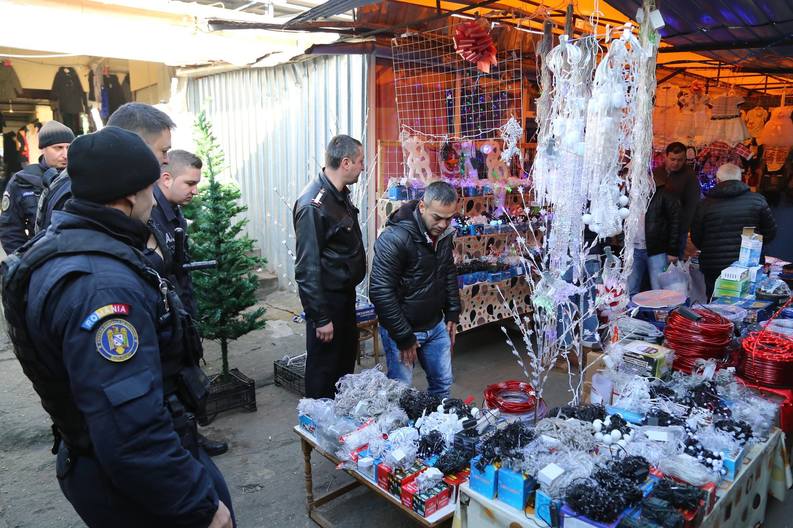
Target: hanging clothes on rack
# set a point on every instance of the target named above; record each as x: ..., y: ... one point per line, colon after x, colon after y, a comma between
x: 694, y: 115
x: 778, y: 131
x: 22, y: 139
x: 725, y: 121
x: 10, y: 88
x: 91, y: 85
x: 69, y: 96
x: 127, y: 89
x: 666, y: 114
x: 115, y: 93
x: 33, y: 141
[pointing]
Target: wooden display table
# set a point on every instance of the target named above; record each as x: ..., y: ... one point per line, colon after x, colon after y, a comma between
x: 308, y: 443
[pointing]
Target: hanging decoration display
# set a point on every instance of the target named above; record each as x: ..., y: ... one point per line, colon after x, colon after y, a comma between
x: 611, y: 117
x: 511, y: 134
x: 558, y: 165
x: 473, y: 43
x: 417, y: 160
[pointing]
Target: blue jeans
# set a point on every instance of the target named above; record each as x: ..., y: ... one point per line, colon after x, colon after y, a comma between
x: 642, y: 263
x: 434, y: 354
x: 590, y: 323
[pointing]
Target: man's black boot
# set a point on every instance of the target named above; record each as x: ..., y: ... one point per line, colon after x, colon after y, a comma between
x: 212, y: 447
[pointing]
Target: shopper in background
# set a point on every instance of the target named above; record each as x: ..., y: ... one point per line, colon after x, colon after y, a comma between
x: 413, y: 287
x: 657, y: 239
x: 21, y: 196
x: 719, y: 221
x: 778, y: 191
x: 330, y: 263
x: 680, y: 180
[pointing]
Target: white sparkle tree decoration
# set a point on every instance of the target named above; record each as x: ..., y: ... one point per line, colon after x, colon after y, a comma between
x: 582, y: 163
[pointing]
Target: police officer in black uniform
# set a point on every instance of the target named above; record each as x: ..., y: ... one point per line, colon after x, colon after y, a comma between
x: 330, y: 264
x: 21, y: 196
x: 154, y: 127
x: 177, y: 186
x: 106, y: 343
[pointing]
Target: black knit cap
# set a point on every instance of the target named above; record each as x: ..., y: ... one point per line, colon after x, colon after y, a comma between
x: 54, y: 133
x: 110, y: 164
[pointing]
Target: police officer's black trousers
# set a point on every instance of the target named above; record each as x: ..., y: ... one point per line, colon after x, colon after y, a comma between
x: 99, y: 504
x: 327, y: 362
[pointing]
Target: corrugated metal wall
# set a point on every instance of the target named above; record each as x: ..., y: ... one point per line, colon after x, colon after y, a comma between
x: 273, y: 125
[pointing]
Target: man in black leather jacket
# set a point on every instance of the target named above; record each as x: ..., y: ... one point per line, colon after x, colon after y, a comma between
x: 414, y: 288
x: 330, y: 262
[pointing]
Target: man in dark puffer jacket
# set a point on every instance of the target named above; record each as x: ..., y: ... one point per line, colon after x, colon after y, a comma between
x: 720, y: 218
x: 413, y: 287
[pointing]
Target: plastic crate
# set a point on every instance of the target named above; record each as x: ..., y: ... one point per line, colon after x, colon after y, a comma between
x: 238, y: 391
x: 290, y: 373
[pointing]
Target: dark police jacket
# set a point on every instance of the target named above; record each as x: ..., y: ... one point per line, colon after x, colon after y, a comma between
x: 166, y: 217
x: 54, y: 195
x: 20, y: 200
x: 413, y: 285
x: 329, y: 245
x: 101, y: 344
x: 719, y: 221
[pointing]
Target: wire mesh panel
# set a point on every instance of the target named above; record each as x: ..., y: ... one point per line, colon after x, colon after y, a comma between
x: 441, y: 96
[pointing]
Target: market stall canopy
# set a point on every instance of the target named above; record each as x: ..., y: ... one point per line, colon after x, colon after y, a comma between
x: 744, y: 37
x: 741, y: 43
x: 173, y: 33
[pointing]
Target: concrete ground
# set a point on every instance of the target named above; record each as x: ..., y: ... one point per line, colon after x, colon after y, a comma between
x: 264, y: 467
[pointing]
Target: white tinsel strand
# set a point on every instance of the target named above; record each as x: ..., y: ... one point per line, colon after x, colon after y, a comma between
x: 610, y: 122
x: 640, y: 182
x: 561, y: 149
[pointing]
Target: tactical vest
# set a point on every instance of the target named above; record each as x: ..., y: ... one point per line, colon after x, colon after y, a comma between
x: 54, y: 390
x: 53, y: 195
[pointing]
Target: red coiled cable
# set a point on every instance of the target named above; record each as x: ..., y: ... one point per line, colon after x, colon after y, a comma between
x: 768, y: 357
x: 693, y: 340
x: 514, y: 397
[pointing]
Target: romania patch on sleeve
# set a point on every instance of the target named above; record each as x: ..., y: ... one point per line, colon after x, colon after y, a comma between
x: 100, y: 313
x: 117, y: 340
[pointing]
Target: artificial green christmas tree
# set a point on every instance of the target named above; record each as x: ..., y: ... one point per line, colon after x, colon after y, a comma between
x: 226, y: 293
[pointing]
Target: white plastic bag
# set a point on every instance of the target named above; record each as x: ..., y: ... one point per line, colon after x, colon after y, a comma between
x: 675, y: 278
x: 696, y: 285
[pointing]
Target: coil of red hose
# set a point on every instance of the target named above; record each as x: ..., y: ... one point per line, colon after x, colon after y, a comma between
x: 768, y: 357
x: 514, y: 397
x: 693, y: 340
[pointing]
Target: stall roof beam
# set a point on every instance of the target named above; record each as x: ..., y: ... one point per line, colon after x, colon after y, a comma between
x: 725, y: 46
